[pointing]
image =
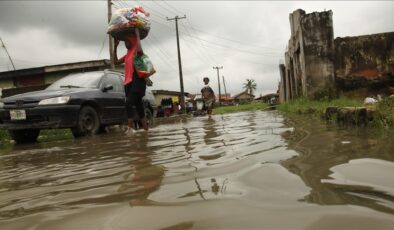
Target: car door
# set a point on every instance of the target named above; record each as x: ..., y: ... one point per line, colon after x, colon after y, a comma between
x: 113, y: 100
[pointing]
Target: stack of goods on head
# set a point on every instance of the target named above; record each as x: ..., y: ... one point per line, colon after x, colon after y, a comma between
x: 124, y: 22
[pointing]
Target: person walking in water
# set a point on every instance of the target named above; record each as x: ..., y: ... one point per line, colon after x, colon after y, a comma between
x: 208, y: 97
x: 135, y: 86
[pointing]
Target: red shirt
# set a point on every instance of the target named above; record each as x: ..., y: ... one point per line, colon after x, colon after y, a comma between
x: 129, y: 60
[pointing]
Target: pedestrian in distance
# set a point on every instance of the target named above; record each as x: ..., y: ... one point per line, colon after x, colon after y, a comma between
x: 135, y: 86
x: 208, y: 97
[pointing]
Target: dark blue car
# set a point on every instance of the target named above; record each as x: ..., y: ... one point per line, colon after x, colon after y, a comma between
x: 85, y: 102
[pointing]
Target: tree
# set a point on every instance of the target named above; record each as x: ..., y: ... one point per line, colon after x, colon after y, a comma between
x: 250, y: 86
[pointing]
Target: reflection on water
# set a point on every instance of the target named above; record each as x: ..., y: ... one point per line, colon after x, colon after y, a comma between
x: 322, y: 147
x: 243, y: 170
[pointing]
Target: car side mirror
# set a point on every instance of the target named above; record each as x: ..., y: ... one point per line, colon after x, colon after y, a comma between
x: 108, y: 87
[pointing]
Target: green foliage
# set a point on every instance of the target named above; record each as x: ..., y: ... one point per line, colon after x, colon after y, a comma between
x: 318, y: 107
x: 250, y: 85
x: 382, y: 117
x: 4, y: 135
x: 240, y: 108
x: 384, y: 114
x: 244, y: 102
x: 45, y: 135
x: 55, y: 134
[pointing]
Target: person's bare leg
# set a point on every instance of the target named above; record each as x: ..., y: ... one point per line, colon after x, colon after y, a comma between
x: 130, y: 123
x: 144, y: 123
x: 130, y: 126
x: 209, y: 114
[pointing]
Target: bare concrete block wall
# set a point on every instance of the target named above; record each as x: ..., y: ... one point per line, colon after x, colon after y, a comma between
x: 364, y: 65
x: 309, y: 68
x: 318, y: 40
x: 317, y: 66
x: 282, y: 83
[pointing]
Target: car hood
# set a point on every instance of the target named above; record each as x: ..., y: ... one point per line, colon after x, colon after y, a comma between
x: 44, y: 94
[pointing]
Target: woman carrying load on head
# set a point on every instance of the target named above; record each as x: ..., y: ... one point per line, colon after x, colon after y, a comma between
x: 135, y: 86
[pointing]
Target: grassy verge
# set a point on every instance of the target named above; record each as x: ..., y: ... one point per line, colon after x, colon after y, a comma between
x: 383, y: 117
x: 240, y: 108
x: 55, y: 134
x: 45, y: 135
x: 307, y: 106
x: 4, y: 135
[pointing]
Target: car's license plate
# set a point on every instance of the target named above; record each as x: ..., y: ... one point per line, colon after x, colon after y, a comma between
x: 18, y: 114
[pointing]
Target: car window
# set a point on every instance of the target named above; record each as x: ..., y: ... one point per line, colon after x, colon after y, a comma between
x: 78, y: 80
x: 115, y: 81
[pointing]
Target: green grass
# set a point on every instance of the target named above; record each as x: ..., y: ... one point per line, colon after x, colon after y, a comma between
x: 45, y: 135
x: 384, y: 114
x: 240, y: 108
x: 55, y: 134
x: 4, y: 135
x: 383, y: 117
x: 308, y: 106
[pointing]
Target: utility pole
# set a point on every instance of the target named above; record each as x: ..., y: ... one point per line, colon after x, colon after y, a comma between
x: 225, y: 90
x: 217, y: 69
x: 3, y: 45
x: 111, y: 40
x: 179, y: 62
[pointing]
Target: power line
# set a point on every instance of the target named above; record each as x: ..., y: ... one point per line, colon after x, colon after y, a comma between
x: 165, y: 8
x: 179, y: 12
x: 144, y: 6
x: 195, y: 50
x: 209, y: 55
x: 233, y: 48
x: 239, y: 42
x: 102, y: 47
x: 200, y: 47
x: 214, y: 43
x: 3, y: 45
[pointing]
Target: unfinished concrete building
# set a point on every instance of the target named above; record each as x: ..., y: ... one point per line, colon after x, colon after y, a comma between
x: 319, y: 66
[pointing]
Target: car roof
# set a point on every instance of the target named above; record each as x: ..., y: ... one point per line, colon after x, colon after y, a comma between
x: 113, y: 71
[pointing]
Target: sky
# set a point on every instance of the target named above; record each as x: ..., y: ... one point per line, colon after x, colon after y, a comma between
x: 247, y: 38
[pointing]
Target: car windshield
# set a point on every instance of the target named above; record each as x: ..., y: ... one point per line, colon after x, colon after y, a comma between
x: 80, y: 80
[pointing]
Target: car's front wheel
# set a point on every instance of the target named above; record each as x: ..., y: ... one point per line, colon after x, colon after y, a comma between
x: 88, y: 122
x: 24, y: 135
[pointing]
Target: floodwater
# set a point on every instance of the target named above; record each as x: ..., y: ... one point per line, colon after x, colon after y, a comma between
x: 251, y: 170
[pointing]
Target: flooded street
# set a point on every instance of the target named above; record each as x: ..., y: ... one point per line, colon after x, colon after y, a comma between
x: 251, y: 170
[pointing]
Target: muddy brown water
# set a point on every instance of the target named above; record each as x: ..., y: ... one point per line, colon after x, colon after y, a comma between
x: 251, y: 170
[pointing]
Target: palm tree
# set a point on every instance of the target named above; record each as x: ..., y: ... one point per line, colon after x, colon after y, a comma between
x: 250, y: 86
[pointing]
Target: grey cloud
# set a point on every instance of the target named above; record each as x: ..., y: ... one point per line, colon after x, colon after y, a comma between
x: 258, y: 27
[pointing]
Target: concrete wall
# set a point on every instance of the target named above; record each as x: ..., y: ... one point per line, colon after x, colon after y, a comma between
x: 282, y: 83
x: 364, y: 65
x: 309, y: 69
x: 318, y: 38
x: 317, y: 66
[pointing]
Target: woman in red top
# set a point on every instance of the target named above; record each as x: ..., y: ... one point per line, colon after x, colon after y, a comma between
x: 134, y: 86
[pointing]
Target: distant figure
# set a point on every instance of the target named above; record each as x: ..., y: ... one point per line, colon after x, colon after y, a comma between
x: 135, y: 86
x: 272, y: 101
x: 208, y: 97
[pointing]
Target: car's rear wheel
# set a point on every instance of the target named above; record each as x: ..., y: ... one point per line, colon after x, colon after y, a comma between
x: 24, y: 135
x: 88, y: 122
x: 149, y: 119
